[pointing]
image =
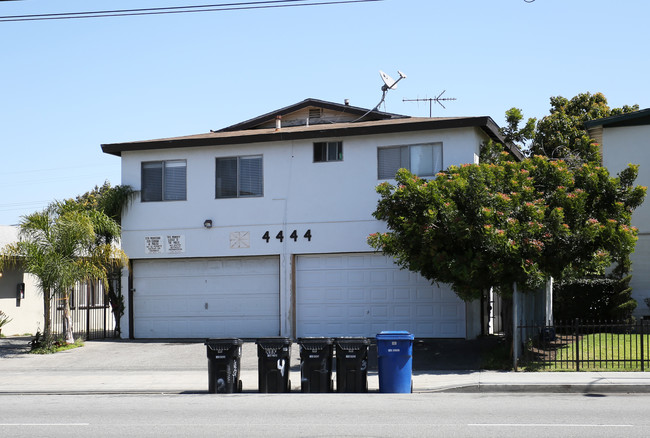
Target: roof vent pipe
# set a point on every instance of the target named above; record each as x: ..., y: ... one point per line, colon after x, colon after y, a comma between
x: 347, y: 102
x: 278, y: 123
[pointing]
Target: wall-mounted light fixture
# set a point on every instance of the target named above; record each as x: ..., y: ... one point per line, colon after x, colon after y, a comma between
x: 207, y: 223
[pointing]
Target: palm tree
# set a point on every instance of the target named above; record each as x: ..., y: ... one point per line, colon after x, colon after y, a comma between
x: 59, y: 245
x: 112, y: 201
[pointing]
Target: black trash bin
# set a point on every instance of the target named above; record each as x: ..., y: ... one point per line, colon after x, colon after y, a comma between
x: 316, y: 356
x: 352, y: 364
x: 224, y: 358
x: 273, y: 362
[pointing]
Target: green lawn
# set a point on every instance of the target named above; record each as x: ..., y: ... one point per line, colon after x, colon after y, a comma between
x: 596, y: 352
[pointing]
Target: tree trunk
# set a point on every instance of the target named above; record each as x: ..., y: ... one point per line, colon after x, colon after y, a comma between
x: 67, y: 319
x: 116, y: 299
x: 47, y: 314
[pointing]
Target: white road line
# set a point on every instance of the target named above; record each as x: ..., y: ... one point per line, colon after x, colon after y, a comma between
x: 546, y: 425
x: 44, y: 424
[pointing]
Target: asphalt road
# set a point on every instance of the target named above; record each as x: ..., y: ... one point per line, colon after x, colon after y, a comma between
x: 326, y: 415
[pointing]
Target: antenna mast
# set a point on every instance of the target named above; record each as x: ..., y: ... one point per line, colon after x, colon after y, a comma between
x: 438, y: 99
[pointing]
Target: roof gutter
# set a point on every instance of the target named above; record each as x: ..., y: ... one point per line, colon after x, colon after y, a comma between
x: 485, y: 123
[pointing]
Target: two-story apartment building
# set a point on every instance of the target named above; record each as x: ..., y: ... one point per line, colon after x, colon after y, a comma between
x: 625, y: 139
x: 259, y: 229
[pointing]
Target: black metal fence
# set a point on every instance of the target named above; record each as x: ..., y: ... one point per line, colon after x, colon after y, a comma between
x: 90, y: 310
x: 586, y: 345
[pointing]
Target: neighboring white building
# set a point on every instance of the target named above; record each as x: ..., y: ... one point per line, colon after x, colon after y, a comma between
x: 625, y: 139
x: 259, y: 229
x: 26, y: 313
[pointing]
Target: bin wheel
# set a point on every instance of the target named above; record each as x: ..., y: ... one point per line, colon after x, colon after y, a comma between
x: 289, y: 386
x: 411, y: 386
x: 239, y: 386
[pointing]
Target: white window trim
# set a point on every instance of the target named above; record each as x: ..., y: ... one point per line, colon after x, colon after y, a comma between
x: 409, y: 145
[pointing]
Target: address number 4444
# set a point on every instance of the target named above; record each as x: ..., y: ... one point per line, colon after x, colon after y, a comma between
x: 293, y: 235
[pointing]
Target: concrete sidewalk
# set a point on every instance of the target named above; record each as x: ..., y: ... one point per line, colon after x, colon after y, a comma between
x: 118, y: 366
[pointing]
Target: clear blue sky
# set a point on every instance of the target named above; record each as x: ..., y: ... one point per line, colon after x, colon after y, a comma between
x: 70, y: 85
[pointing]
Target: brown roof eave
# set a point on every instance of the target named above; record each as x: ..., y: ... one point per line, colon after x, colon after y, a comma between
x: 485, y: 123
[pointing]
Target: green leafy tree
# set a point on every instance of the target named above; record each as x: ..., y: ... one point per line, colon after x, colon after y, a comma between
x: 497, y: 224
x: 59, y: 246
x: 599, y: 298
x: 562, y: 134
x: 111, y: 201
x: 512, y: 133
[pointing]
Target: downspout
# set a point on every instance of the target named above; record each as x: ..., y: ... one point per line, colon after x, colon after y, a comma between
x: 130, y: 299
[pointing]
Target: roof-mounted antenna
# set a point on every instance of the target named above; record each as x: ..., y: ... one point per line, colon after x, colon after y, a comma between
x: 438, y: 99
x: 389, y: 84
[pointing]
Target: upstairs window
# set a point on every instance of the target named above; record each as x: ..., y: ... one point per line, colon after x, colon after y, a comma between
x: 239, y: 177
x: 328, y: 151
x: 422, y: 160
x: 164, y: 181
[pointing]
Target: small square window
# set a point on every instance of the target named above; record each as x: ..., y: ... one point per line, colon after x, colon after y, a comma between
x: 328, y: 151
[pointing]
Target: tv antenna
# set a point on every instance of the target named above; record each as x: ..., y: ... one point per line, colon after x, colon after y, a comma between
x: 438, y: 99
x: 389, y: 84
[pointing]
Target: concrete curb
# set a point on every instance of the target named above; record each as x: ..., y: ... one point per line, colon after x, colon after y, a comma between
x: 544, y: 388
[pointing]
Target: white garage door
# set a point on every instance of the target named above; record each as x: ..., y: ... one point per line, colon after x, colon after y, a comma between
x: 201, y: 298
x: 363, y: 294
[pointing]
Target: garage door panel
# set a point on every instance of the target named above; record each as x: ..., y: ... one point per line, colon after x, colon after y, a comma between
x: 206, y: 297
x: 362, y: 294
x: 401, y: 294
x: 378, y: 278
x: 424, y: 311
x: 357, y: 294
x: 427, y: 293
x: 378, y: 311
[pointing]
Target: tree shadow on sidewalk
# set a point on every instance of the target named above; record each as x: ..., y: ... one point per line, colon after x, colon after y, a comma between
x: 446, y: 354
x: 14, y: 346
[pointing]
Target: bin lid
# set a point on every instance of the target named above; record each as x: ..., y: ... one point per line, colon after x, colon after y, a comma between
x: 315, y: 340
x: 221, y: 341
x: 274, y: 340
x: 395, y: 335
x: 352, y: 340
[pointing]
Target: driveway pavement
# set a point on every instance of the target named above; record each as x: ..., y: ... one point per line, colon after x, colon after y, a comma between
x: 123, y: 366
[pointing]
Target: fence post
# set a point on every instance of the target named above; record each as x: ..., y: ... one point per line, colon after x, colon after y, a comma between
x: 577, y: 342
x: 87, y: 310
x: 515, y: 332
x: 642, y: 346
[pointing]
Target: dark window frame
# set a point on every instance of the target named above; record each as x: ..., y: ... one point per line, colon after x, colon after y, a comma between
x: 328, y: 151
x: 221, y: 192
x: 166, y: 185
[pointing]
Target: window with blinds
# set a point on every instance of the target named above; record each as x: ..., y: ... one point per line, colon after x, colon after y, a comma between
x: 239, y: 177
x: 164, y: 181
x: 422, y: 160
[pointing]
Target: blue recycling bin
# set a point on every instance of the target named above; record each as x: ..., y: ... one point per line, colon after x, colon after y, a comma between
x: 395, y: 361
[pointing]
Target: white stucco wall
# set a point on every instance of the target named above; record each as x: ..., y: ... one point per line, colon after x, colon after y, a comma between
x: 26, y: 314
x: 622, y: 146
x: 334, y: 200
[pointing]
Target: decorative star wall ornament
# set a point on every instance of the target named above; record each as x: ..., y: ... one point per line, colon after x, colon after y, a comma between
x: 240, y: 239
